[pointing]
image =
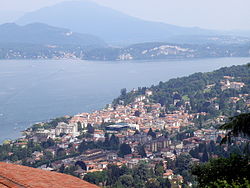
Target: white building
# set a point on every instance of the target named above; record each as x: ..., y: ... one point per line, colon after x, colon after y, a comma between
x: 149, y: 92
x: 71, y: 128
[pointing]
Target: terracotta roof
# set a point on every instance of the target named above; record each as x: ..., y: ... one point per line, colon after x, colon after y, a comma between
x: 16, y: 176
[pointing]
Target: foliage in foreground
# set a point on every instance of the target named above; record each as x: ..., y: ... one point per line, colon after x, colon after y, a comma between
x: 233, y: 170
x: 225, y: 184
x: 237, y: 126
x: 228, y: 172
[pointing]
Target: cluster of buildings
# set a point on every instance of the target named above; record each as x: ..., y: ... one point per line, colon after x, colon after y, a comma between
x: 139, y: 114
x: 227, y: 83
x: 130, y: 124
x: 129, y: 127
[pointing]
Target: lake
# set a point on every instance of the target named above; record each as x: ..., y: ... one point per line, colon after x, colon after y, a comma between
x: 38, y: 90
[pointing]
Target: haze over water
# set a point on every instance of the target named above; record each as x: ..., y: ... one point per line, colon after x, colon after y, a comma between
x: 34, y: 91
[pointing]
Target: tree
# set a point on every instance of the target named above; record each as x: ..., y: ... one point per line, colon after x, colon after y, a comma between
x: 204, y: 156
x: 183, y: 164
x: 90, y: 129
x: 81, y: 164
x: 96, y: 177
x: 70, y: 170
x: 153, y: 183
x: 232, y: 169
x: 48, y: 155
x: 151, y: 133
x: 124, y: 150
x: 113, y: 173
x: 237, y: 126
x: 125, y: 170
x: 62, y: 168
x: 194, y: 153
x: 141, y: 173
x: 113, y: 142
x: 212, y: 146
x: 123, y: 92
x: 60, y: 152
x: 159, y: 169
x: 141, y: 151
x: 79, y: 126
x: 82, y: 147
x: 164, y: 182
x: 219, y: 139
x: 106, y: 141
x: 49, y: 143
x: 126, y: 180
x: 225, y: 184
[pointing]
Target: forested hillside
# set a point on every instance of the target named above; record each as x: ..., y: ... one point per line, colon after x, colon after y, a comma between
x: 221, y: 92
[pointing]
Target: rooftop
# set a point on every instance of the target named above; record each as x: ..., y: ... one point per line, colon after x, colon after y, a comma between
x: 16, y: 176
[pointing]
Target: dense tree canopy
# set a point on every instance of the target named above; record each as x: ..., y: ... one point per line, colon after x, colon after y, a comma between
x: 233, y: 169
x: 193, y: 89
x: 237, y: 126
x: 124, y: 150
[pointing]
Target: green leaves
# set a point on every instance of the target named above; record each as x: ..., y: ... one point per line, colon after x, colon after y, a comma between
x: 238, y: 126
x: 235, y: 168
x: 124, y: 150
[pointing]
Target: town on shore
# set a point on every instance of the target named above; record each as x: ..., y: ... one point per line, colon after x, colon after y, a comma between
x: 122, y: 135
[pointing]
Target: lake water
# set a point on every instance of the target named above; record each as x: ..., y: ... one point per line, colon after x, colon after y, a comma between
x: 37, y: 90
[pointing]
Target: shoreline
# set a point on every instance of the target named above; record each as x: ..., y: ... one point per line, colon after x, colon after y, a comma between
x: 98, y: 102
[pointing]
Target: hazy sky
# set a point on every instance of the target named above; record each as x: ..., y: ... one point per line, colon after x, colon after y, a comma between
x: 211, y: 14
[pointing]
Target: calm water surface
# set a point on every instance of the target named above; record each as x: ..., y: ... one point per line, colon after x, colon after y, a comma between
x: 34, y: 91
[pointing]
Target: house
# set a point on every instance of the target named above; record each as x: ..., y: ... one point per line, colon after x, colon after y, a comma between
x: 132, y: 163
x: 23, y: 176
x: 67, y: 129
x: 37, y: 155
x: 112, y: 156
x: 140, y: 98
x: 148, y: 92
x: 80, y: 173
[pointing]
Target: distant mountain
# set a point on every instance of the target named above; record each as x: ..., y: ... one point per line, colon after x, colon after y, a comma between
x: 163, y: 50
x: 42, y: 34
x: 41, y: 41
x: 141, y: 51
x: 106, y: 23
x: 212, y: 39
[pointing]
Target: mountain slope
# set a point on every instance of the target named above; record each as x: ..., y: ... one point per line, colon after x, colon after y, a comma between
x: 223, y: 91
x: 141, y: 51
x: 110, y: 25
x: 37, y: 33
x: 163, y: 50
